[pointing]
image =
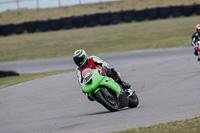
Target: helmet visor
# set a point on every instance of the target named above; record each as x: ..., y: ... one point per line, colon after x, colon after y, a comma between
x: 80, y: 61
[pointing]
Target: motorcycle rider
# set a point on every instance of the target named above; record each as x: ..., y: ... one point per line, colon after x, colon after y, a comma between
x: 195, y: 39
x: 83, y: 61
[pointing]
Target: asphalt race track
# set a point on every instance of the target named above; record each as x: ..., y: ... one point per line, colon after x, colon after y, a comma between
x: 165, y: 80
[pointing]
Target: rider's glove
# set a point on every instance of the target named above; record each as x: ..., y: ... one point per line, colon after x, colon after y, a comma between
x: 108, y: 71
x: 104, y: 70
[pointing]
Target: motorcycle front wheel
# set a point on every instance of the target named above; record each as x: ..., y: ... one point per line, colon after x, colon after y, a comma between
x: 108, y: 99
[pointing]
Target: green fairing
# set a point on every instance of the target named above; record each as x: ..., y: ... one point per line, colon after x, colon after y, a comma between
x: 110, y: 83
x: 100, y: 80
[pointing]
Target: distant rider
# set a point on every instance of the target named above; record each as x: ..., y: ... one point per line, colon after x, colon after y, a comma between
x: 195, y: 39
x: 83, y: 61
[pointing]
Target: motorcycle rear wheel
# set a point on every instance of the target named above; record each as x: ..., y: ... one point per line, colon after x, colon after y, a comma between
x: 111, y: 103
x: 133, y: 101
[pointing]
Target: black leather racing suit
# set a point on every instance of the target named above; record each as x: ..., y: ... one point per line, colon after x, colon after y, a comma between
x: 195, y: 38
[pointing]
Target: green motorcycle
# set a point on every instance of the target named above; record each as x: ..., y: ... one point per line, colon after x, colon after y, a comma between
x: 107, y: 91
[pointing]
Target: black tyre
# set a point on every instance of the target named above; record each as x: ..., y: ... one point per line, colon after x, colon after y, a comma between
x: 108, y: 99
x: 133, y: 101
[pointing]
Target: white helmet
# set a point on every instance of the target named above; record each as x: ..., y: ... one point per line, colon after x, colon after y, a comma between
x: 80, y: 57
x: 198, y: 28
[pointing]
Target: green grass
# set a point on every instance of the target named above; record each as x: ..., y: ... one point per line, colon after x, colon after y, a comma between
x: 162, y: 33
x: 43, y: 14
x: 12, y: 80
x: 115, y: 38
x: 184, y: 126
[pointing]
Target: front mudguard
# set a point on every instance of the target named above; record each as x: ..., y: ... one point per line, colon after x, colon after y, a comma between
x: 92, y: 95
x: 116, y: 90
x: 110, y: 83
x: 109, y: 101
x: 102, y: 89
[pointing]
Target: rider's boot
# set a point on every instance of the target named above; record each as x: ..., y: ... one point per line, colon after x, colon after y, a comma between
x: 116, y: 76
x: 126, y: 86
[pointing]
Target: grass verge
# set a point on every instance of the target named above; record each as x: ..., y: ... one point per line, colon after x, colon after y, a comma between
x: 12, y: 80
x: 162, y: 33
x: 184, y: 126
